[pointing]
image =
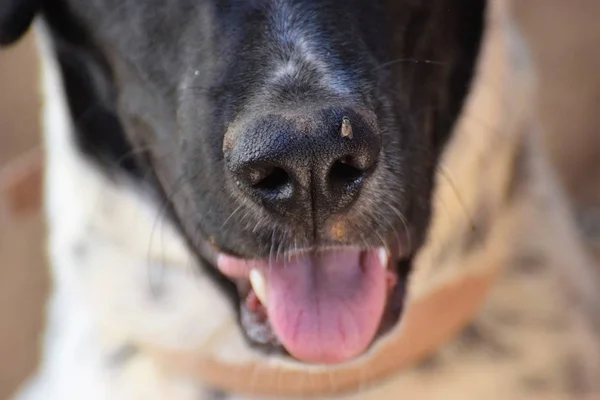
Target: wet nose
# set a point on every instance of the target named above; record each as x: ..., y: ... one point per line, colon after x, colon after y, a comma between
x: 304, y: 164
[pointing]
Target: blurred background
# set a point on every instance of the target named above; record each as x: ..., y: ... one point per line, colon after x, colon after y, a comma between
x: 563, y: 39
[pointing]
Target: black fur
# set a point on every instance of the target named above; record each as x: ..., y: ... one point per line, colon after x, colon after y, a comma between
x: 90, y: 93
x: 162, y: 90
x: 15, y: 18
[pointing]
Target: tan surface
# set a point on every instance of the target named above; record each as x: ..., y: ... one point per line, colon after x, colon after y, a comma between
x: 22, y: 273
x: 565, y: 37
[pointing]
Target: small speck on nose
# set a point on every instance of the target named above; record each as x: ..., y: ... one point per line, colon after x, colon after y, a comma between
x: 346, y: 129
x: 338, y: 230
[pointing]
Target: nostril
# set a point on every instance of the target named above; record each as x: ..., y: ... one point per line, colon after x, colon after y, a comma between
x: 345, y: 173
x: 269, y: 178
x: 272, y: 182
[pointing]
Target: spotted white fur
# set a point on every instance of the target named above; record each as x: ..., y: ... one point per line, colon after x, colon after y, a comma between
x: 112, y: 257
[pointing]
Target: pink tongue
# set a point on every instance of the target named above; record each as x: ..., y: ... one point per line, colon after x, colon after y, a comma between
x: 326, y: 307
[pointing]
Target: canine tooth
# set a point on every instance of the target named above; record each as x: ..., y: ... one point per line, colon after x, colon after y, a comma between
x: 383, y: 257
x: 259, y: 284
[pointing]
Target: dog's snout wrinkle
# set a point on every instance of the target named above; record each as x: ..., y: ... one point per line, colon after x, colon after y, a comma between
x: 304, y: 166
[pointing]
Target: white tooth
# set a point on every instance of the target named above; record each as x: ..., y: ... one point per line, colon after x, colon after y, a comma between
x: 259, y: 284
x: 383, y: 257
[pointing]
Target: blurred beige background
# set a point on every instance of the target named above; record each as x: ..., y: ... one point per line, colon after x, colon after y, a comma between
x: 22, y: 273
x: 564, y: 38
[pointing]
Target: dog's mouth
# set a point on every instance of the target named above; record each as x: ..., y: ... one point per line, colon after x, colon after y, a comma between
x: 322, y: 306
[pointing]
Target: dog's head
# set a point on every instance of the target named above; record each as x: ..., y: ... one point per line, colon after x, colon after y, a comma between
x: 294, y: 142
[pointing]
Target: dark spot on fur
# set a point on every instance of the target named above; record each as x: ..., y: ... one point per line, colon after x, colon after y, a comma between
x: 474, y: 236
x: 430, y: 364
x: 471, y: 336
x: 519, y: 175
x: 529, y: 263
x: 122, y: 355
x: 535, y: 383
x: 476, y: 338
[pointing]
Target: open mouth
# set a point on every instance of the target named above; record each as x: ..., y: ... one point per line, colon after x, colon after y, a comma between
x: 326, y: 306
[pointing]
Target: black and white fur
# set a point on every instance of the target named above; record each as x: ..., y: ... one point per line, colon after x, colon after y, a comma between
x: 138, y: 99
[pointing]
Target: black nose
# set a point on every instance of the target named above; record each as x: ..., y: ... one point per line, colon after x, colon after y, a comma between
x: 304, y: 164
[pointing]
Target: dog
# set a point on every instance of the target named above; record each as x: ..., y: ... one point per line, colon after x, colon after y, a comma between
x: 250, y: 182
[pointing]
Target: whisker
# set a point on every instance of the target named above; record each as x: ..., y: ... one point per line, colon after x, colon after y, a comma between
x: 162, y: 209
x: 408, y: 60
x: 445, y: 173
x: 404, y: 224
x: 257, y: 224
x: 295, y: 246
x: 278, y: 250
x: 396, y: 234
x: 271, y: 250
x: 383, y: 242
x: 233, y: 213
x: 245, y: 215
